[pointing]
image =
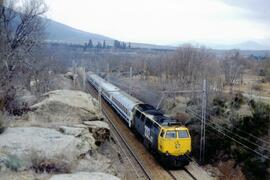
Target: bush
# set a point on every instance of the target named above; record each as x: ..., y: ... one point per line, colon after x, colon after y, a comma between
x: 254, y: 166
x: 237, y: 101
x: 13, y: 162
x: 257, y: 87
x: 219, y: 106
x: 41, y: 164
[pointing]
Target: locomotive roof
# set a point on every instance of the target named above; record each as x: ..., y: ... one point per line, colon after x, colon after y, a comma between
x: 157, y: 115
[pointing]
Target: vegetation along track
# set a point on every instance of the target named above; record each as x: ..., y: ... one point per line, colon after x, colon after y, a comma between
x: 144, y: 165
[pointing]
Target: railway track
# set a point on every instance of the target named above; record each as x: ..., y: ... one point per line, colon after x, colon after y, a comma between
x: 143, y: 164
x: 137, y: 167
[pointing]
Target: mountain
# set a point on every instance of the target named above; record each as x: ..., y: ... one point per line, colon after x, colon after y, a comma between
x: 58, y: 32
x: 248, y: 45
x: 61, y: 33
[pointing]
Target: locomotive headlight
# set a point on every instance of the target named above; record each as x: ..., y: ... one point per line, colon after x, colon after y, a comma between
x: 177, y: 146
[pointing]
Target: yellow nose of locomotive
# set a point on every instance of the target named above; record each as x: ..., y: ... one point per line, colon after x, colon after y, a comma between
x: 174, y: 141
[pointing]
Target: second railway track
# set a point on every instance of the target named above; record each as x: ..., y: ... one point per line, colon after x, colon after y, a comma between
x: 143, y: 164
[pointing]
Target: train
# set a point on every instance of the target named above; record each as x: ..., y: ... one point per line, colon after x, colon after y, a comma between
x: 165, y: 137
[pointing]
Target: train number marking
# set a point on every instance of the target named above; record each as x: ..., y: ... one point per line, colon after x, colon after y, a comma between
x: 147, y: 133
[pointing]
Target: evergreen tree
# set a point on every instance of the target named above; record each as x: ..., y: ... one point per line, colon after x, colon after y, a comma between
x: 90, y: 44
x: 99, y: 45
x: 117, y: 44
x: 124, y: 45
x: 104, y: 44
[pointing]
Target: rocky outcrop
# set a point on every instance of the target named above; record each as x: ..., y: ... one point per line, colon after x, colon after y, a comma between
x: 84, y: 176
x: 64, y: 106
x: 70, y: 75
x: 26, y: 145
x: 69, y: 131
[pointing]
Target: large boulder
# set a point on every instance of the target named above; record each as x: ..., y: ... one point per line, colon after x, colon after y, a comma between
x: 84, y: 176
x: 26, y: 147
x: 64, y: 106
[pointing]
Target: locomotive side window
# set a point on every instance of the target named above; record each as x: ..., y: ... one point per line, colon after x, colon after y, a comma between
x: 142, y: 117
x: 148, y: 122
x: 162, y: 133
x: 137, y: 114
x: 183, y: 134
x: 170, y: 134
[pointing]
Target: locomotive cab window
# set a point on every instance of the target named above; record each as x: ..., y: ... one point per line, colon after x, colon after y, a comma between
x: 183, y: 134
x: 170, y: 134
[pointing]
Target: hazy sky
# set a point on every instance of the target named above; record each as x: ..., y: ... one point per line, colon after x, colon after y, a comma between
x: 168, y: 21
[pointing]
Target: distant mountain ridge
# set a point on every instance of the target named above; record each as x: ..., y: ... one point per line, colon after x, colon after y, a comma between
x: 61, y: 33
x: 248, y: 45
x: 58, y: 32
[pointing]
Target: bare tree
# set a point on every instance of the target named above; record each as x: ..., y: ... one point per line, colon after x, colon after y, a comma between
x: 21, y: 31
x: 232, y: 68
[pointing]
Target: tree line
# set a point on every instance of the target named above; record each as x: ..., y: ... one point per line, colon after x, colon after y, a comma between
x: 103, y: 45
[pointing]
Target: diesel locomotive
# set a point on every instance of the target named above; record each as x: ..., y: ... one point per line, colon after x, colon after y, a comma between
x: 165, y: 137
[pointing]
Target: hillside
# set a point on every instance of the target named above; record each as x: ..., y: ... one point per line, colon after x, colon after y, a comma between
x: 58, y: 32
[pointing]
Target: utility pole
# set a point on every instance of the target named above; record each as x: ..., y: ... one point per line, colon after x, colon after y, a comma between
x: 99, y: 101
x: 74, y: 71
x: 84, y: 77
x: 203, y: 92
x: 130, y: 77
x: 108, y: 72
x: 204, y: 104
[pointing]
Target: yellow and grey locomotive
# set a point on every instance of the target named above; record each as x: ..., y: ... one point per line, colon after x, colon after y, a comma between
x: 168, y: 139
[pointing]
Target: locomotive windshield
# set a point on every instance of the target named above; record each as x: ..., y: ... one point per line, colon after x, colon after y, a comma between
x: 170, y: 134
x: 183, y: 134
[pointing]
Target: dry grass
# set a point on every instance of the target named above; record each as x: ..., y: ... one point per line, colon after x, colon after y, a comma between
x: 41, y: 164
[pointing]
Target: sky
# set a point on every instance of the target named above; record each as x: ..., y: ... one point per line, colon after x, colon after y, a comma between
x: 168, y: 22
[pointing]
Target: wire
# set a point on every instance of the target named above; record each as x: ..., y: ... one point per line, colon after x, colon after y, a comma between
x: 240, y: 130
x: 245, y: 139
x: 243, y: 145
x: 198, y: 117
x: 241, y: 137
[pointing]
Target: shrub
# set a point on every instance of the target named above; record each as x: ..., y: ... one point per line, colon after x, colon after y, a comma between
x: 237, y: 101
x: 41, y: 164
x: 219, y: 106
x: 257, y: 87
x: 13, y: 162
x: 258, y: 124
